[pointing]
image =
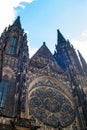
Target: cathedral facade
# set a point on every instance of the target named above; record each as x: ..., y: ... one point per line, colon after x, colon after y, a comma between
x: 45, y: 92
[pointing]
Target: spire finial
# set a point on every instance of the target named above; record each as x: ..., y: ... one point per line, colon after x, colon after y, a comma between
x: 17, y: 22
x: 44, y: 43
x: 60, y: 38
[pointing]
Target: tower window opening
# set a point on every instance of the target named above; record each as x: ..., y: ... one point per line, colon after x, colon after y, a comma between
x: 3, y: 93
x: 13, y: 46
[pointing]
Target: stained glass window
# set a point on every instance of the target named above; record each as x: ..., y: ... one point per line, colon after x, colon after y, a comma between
x: 3, y: 92
x: 14, y: 41
x: 12, y: 48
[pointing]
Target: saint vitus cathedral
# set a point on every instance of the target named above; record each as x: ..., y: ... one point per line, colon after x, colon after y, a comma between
x: 45, y: 92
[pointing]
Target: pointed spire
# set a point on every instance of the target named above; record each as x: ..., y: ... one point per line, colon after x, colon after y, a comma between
x: 44, y: 43
x: 61, y: 41
x: 83, y: 62
x: 81, y: 58
x: 17, y: 22
x: 60, y: 38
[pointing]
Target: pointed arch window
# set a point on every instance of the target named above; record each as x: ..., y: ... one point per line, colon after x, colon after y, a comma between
x: 13, y: 46
x: 3, y: 92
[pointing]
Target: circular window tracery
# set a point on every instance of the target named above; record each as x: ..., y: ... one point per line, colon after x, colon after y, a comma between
x: 51, y: 106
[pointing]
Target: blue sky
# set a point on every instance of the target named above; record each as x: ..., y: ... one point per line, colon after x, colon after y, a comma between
x: 41, y: 19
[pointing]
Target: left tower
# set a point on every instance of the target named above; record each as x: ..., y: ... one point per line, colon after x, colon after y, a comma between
x: 15, y: 61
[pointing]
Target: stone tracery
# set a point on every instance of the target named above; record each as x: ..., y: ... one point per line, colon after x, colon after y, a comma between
x: 49, y: 104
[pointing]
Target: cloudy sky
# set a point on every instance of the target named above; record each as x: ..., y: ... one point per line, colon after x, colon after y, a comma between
x: 41, y: 19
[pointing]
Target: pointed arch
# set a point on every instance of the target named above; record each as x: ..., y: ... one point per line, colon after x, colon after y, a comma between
x: 3, y: 91
x: 13, y: 45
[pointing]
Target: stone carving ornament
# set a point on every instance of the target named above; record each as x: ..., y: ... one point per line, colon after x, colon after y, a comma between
x: 49, y: 104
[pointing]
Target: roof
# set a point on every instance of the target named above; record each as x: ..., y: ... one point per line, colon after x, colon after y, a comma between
x: 43, y: 52
x: 44, y: 57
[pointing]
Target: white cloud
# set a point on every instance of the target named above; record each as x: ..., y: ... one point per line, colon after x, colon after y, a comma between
x: 84, y: 34
x: 81, y: 45
x: 9, y: 12
x: 32, y: 51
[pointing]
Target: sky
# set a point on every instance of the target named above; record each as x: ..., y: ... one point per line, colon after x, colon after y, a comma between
x: 41, y: 19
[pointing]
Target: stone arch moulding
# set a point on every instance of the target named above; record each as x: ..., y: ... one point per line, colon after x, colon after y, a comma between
x: 49, y: 103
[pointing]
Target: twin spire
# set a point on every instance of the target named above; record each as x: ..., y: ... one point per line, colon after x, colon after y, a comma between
x: 60, y: 38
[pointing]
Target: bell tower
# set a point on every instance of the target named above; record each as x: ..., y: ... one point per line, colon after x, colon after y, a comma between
x: 66, y: 55
x: 12, y: 37
x: 15, y: 60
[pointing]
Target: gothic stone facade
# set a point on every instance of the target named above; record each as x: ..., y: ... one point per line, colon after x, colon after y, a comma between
x: 45, y: 92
